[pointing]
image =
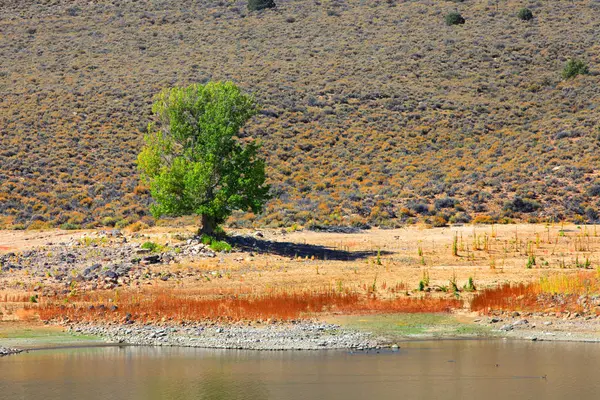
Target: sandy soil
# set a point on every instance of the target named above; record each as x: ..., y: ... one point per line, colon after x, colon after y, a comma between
x: 394, y: 261
x: 310, y: 260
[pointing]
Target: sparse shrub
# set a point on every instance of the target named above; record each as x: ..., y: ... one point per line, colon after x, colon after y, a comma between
x: 68, y: 226
x: 122, y: 224
x: 483, y: 219
x: 214, y: 244
x: 109, y: 221
x: 220, y: 246
x: 591, y: 214
x: 594, y: 190
x: 470, y: 286
x: 439, y: 221
x: 460, y: 218
x: 530, y: 261
x: 150, y: 246
x: 417, y: 207
x: 525, y: 14
x: 454, y: 18
x: 136, y: 226
x: 206, y: 239
x: 445, y: 202
x: 36, y: 225
x: 256, y: 5
x: 455, y: 246
x: 524, y: 205
x: 575, y: 67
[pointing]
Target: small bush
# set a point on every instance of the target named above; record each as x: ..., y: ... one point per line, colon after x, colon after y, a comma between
x: 594, y: 190
x: 150, y: 246
x: 38, y: 225
x: 136, y: 226
x: 454, y: 18
x: 445, y: 202
x: 215, y: 244
x: 460, y: 218
x: 439, y: 221
x: 525, y: 14
x: 256, y: 5
x: 109, y: 221
x: 206, y: 239
x: 575, y: 67
x: 219, y: 245
x: 519, y: 204
x: 121, y: 224
x: 484, y: 219
x: 68, y: 226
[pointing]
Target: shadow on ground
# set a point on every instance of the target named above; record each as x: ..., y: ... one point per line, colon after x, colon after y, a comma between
x: 288, y: 249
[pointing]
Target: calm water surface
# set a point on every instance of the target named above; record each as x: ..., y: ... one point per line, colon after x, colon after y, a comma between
x: 420, y: 370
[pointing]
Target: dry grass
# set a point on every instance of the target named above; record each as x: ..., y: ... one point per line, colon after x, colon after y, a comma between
x: 553, y: 293
x: 156, y: 305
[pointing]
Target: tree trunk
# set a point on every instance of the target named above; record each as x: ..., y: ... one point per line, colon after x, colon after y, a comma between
x: 208, y: 225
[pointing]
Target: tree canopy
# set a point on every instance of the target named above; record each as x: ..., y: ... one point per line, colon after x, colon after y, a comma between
x: 194, y: 160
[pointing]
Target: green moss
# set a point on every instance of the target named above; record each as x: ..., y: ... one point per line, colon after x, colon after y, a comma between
x: 394, y: 326
x: 42, y: 337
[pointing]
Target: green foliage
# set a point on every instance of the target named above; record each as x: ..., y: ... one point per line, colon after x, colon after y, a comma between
x: 575, y: 67
x: 121, y: 224
x: 520, y: 204
x: 69, y: 226
x: 255, y: 5
x: 220, y: 246
x: 530, y: 261
x: 151, y: 246
x: 33, y: 298
x: 215, y: 244
x: 454, y: 18
x: 421, y: 286
x: 525, y: 14
x: 470, y: 286
x: 194, y: 162
x: 455, y: 245
x: 453, y: 285
x: 426, y: 278
x: 109, y: 221
x: 206, y: 239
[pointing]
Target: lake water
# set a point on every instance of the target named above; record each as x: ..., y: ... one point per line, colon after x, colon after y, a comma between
x: 460, y: 369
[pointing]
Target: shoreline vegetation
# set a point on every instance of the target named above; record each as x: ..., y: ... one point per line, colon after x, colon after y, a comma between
x: 266, y: 291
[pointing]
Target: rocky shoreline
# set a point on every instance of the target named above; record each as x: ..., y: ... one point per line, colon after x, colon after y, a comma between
x: 6, y: 351
x: 537, y: 328
x: 292, y: 336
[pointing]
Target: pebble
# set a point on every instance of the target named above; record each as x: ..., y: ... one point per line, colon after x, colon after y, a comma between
x: 5, y: 351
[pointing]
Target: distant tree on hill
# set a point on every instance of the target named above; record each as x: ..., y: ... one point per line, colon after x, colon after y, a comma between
x: 193, y: 159
x: 573, y: 68
x: 525, y: 14
x: 454, y: 18
x: 255, y: 5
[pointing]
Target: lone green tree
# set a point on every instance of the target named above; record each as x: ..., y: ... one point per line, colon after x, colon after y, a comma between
x: 193, y: 159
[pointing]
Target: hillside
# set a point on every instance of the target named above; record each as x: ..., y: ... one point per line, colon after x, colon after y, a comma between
x: 373, y: 111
